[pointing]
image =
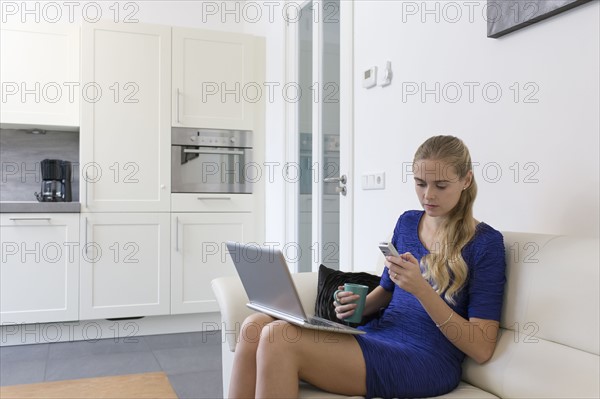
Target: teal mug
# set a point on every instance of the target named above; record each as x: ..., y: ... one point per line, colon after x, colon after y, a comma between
x: 358, y: 289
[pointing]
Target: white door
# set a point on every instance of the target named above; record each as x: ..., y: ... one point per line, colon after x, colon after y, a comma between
x: 320, y: 132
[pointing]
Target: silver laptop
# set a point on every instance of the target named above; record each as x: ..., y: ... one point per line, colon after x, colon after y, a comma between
x: 271, y: 290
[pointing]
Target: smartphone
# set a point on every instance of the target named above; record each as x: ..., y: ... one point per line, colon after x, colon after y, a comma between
x: 387, y: 248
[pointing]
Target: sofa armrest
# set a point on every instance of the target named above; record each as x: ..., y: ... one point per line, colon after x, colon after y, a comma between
x: 232, y: 299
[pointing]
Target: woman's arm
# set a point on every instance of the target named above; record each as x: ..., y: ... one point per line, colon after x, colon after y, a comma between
x: 475, y: 337
x: 377, y: 299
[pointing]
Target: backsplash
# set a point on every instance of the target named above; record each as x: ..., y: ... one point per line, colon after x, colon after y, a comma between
x: 20, y: 155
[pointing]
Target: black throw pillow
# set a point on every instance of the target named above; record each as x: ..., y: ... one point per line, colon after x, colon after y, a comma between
x: 330, y: 280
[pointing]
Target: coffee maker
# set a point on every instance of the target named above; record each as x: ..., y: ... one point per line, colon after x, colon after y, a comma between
x: 56, y: 181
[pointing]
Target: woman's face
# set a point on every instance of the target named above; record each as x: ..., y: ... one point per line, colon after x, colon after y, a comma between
x: 438, y: 186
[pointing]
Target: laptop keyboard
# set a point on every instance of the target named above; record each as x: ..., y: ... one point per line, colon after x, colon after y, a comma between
x: 316, y: 321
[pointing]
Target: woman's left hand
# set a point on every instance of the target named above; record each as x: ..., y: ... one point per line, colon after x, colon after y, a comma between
x: 405, y: 272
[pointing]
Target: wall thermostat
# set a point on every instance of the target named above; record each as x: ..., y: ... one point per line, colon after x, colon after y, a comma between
x: 370, y: 78
x: 386, y: 76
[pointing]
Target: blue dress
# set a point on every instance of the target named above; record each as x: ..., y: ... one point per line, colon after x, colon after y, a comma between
x: 405, y: 353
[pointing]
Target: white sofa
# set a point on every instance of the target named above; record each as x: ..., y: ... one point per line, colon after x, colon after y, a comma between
x: 549, y: 340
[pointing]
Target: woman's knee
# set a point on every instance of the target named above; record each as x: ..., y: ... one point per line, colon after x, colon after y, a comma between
x: 252, y: 326
x: 280, y: 337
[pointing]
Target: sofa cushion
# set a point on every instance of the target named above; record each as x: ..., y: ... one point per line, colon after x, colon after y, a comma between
x: 330, y: 280
x: 527, y: 367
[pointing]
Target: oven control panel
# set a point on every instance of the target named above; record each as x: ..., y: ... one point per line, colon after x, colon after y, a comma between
x: 211, y: 137
x: 213, y: 141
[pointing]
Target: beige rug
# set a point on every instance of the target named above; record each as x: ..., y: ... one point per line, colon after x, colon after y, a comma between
x: 133, y: 386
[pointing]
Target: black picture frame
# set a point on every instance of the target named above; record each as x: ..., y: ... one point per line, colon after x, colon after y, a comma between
x: 506, y: 16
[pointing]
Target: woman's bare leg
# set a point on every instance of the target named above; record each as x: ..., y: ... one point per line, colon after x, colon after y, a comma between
x: 243, y: 374
x: 287, y: 353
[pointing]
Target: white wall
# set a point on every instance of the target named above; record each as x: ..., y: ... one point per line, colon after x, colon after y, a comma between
x: 557, y: 137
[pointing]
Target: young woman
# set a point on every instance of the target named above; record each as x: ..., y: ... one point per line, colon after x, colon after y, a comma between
x: 442, y: 299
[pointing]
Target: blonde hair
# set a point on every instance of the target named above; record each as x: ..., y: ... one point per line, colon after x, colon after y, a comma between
x: 445, y: 267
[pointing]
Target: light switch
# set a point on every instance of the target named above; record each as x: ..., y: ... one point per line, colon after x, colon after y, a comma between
x: 373, y: 181
x: 364, y: 182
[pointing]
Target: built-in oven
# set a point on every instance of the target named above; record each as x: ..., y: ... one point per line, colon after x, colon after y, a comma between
x: 211, y: 161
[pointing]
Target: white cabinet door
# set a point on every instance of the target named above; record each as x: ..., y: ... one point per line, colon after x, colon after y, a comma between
x: 199, y: 255
x: 39, y: 274
x: 125, y: 129
x: 214, y: 80
x: 124, y: 265
x: 39, y: 70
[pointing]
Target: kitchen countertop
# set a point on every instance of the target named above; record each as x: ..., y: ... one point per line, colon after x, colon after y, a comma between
x: 39, y: 207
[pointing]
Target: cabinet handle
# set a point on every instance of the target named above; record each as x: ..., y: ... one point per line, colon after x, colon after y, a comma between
x: 178, y: 121
x: 86, y: 188
x: 85, y: 228
x: 214, y: 198
x: 18, y: 219
x: 177, y: 234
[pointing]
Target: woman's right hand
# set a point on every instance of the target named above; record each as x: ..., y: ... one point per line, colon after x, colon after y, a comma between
x: 343, y: 307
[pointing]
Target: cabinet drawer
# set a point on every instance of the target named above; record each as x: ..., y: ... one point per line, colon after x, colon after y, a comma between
x: 212, y: 202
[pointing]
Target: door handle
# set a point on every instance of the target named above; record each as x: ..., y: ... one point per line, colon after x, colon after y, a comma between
x: 342, y: 179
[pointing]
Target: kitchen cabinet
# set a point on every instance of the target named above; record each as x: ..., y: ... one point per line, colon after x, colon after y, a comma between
x: 214, y: 80
x: 124, y: 265
x: 133, y: 253
x: 39, y: 273
x: 125, y: 131
x: 39, y: 71
x: 199, y: 255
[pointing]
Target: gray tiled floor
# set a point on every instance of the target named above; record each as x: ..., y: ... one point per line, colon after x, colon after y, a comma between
x: 192, y: 361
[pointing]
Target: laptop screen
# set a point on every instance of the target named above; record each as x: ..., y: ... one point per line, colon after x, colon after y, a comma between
x: 266, y: 278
